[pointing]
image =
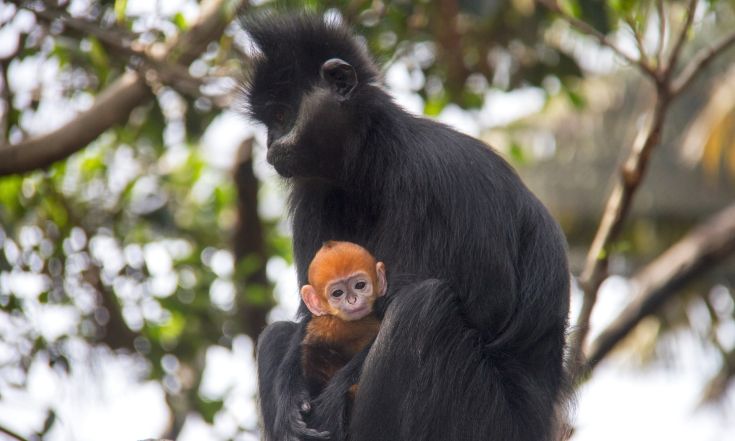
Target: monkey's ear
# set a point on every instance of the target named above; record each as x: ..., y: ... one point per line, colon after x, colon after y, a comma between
x: 340, y: 75
x: 382, y: 281
x: 312, y: 300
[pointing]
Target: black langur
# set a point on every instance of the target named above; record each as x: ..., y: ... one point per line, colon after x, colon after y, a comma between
x: 471, y: 345
x: 345, y: 280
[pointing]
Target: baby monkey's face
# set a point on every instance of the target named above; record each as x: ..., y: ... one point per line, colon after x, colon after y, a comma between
x: 352, y: 297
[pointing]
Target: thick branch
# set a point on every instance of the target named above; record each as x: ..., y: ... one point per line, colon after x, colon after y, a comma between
x: 112, y: 106
x: 704, y: 247
x: 249, y: 243
x: 616, y: 210
x: 115, y: 103
x: 620, y: 201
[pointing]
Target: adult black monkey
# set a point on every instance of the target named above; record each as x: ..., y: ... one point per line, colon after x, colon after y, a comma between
x: 472, y: 348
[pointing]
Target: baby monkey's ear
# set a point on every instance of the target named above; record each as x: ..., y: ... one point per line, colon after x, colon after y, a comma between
x: 382, y: 287
x: 313, y: 301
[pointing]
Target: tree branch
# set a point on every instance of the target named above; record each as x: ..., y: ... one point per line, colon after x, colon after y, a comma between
x: 11, y: 434
x: 255, y: 299
x: 661, y: 33
x: 704, y: 247
x: 114, y: 104
x: 121, y: 42
x: 676, y: 51
x: 697, y: 64
x: 587, y: 29
x: 616, y: 210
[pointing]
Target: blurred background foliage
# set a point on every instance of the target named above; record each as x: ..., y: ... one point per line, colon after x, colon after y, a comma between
x: 156, y: 243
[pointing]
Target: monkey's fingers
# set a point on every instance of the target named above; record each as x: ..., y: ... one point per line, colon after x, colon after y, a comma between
x: 301, y: 429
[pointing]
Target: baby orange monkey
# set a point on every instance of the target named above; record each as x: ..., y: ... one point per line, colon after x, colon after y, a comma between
x: 344, y: 282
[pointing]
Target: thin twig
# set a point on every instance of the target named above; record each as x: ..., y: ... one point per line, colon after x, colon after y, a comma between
x: 705, y: 246
x: 121, y: 42
x: 4, y: 430
x: 585, y: 28
x: 676, y: 51
x: 698, y: 62
x: 661, y: 33
x: 6, y: 95
x: 638, y: 40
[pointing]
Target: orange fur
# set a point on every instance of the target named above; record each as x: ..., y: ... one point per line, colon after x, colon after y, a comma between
x: 339, y: 259
x: 330, y: 342
x: 351, y: 337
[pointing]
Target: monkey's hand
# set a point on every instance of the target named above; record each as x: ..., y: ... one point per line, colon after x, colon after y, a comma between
x: 291, y: 421
x: 284, y: 400
x: 332, y: 406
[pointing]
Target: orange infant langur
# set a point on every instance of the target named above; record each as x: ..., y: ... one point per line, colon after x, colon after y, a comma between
x: 344, y: 282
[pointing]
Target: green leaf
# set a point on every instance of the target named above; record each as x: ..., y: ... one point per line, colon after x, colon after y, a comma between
x: 517, y: 154
x: 576, y: 99
x: 10, y: 191
x: 209, y: 409
x: 435, y: 105
x: 100, y: 60
x: 61, y: 54
x: 120, y: 6
x: 180, y: 21
x: 171, y: 330
x: 594, y: 12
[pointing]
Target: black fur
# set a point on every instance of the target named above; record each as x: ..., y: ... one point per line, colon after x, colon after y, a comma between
x: 472, y: 342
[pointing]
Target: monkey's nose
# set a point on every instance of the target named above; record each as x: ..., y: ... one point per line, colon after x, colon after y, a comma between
x: 351, y: 299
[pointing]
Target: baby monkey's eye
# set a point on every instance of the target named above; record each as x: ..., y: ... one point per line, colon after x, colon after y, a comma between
x: 360, y: 285
x: 337, y: 293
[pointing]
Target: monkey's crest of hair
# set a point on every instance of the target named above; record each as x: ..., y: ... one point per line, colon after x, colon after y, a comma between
x: 292, y: 48
x: 337, y: 259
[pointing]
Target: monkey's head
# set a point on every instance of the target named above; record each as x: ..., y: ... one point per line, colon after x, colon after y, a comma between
x: 304, y: 86
x: 344, y: 281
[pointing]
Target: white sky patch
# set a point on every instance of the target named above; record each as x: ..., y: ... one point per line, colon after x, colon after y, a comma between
x: 460, y: 119
x: 157, y: 258
x: 502, y: 108
x: 97, y: 400
x: 286, y: 289
x: 222, y: 139
x: 656, y: 403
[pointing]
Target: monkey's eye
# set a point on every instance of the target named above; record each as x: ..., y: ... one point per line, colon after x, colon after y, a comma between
x: 279, y: 116
x: 360, y: 285
x: 337, y: 293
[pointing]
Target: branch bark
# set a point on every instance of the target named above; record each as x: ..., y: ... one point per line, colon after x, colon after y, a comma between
x: 11, y: 434
x: 704, y: 247
x: 699, y: 62
x: 641, y: 63
x: 116, y: 102
x: 249, y: 242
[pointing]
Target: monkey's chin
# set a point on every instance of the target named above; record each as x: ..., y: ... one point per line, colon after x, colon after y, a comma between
x: 359, y: 313
x: 283, y: 171
x: 280, y: 162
